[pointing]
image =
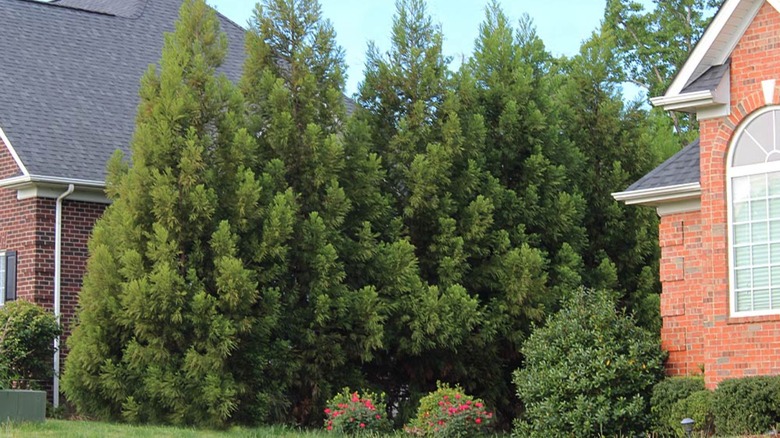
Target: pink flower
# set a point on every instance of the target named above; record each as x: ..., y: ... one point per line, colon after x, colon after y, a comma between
x: 327, y: 410
x: 478, y: 404
x: 330, y: 427
x: 457, y: 396
x: 478, y: 420
x: 355, y: 397
x: 378, y: 417
x: 362, y: 425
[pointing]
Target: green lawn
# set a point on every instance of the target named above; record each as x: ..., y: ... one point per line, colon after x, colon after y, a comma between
x: 88, y: 429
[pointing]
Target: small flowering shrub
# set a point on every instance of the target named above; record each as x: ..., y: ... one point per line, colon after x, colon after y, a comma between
x: 449, y: 412
x: 350, y: 413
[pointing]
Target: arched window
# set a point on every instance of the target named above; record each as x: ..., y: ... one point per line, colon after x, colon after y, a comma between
x: 754, y: 215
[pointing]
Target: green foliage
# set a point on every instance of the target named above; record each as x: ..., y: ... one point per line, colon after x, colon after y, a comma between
x: 27, y: 333
x: 746, y: 406
x: 169, y: 301
x: 450, y: 412
x: 588, y: 372
x: 351, y: 413
x: 666, y: 394
x: 698, y: 407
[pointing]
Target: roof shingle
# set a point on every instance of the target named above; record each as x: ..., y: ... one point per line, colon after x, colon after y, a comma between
x: 69, y: 78
x: 681, y: 168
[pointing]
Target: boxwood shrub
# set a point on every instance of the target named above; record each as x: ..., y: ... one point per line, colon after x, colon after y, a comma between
x: 750, y: 405
x: 27, y: 333
x: 666, y: 394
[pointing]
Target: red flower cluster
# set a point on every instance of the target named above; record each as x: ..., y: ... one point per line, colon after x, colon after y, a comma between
x: 348, y: 412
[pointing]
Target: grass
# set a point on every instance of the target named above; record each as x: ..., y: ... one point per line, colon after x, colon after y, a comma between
x: 88, y: 429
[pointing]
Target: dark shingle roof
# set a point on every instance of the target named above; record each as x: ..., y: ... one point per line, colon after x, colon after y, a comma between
x: 709, y: 80
x: 69, y: 78
x: 681, y: 168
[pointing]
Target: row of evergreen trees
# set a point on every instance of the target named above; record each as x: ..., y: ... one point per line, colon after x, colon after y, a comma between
x: 266, y: 249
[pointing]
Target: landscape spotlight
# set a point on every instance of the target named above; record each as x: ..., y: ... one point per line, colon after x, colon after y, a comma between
x: 687, y: 425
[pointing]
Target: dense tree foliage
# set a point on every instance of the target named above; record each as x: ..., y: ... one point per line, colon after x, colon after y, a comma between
x: 167, y: 300
x: 269, y: 245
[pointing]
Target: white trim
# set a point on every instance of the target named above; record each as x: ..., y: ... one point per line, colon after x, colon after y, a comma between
x: 13, y: 152
x: 768, y: 86
x: 706, y: 103
x: 57, y: 289
x: 33, y: 190
x: 703, y: 48
x: 4, y: 266
x: 658, y: 195
x: 684, y: 206
x: 11, y: 183
x: 735, y: 172
x: 775, y: 4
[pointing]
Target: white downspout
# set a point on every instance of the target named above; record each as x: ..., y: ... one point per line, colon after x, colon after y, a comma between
x: 57, y: 276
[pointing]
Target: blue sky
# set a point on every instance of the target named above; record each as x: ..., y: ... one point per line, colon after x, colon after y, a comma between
x: 562, y: 24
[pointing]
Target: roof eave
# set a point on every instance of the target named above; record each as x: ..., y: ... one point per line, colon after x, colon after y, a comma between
x: 22, y: 180
x: 660, y: 195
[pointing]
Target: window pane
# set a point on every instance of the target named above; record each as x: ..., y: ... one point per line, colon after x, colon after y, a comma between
x: 774, y: 184
x: 758, y: 186
x: 775, y: 248
x: 742, y: 256
x: 744, y: 302
x: 760, y: 232
x: 741, y: 212
x: 776, y: 298
x: 774, y: 208
x: 774, y: 230
x: 741, y: 234
x: 776, y: 276
x: 748, y: 152
x: 761, y: 299
x: 760, y: 255
x: 741, y: 189
x: 758, y: 210
x: 761, y: 277
x: 743, y: 279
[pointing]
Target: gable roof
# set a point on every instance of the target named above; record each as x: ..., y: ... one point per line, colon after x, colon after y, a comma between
x: 70, y: 76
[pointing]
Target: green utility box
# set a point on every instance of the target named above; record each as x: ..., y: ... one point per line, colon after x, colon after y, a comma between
x: 22, y: 405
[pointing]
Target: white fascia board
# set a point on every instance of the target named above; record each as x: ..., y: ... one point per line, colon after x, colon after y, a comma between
x: 28, y: 187
x: 11, y: 149
x: 698, y: 100
x: 714, y: 30
x: 660, y: 195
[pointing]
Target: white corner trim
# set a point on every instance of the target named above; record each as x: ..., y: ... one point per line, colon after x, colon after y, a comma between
x: 775, y: 4
x: 660, y: 195
x: 13, y: 152
x: 685, y: 206
x: 768, y: 87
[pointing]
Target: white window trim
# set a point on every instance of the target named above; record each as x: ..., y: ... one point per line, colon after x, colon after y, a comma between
x: 731, y: 173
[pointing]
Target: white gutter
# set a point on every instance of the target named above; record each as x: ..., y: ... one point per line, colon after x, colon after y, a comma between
x: 57, y: 278
x: 660, y: 195
x: 24, y: 179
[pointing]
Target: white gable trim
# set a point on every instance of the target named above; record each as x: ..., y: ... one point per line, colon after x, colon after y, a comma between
x: 13, y: 152
x: 718, y: 41
x: 775, y: 4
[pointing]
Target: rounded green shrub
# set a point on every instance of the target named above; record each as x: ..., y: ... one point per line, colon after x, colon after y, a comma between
x: 750, y: 405
x: 588, y: 372
x: 351, y: 413
x: 450, y: 412
x: 666, y: 394
x: 27, y: 333
x: 698, y: 407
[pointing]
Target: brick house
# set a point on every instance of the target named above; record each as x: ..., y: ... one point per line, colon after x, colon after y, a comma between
x: 69, y: 80
x: 719, y: 201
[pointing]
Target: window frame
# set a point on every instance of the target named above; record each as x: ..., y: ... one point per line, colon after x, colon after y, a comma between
x: 732, y: 173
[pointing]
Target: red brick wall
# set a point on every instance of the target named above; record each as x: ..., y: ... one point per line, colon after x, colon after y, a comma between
x: 27, y: 226
x: 698, y: 329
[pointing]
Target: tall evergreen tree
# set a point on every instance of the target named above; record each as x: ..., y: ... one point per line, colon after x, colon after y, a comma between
x: 167, y: 299
x: 617, y: 141
x: 294, y: 82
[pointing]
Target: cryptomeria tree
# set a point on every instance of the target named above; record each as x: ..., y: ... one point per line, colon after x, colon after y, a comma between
x: 618, y: 144
x: 476, y: 277
x: 168, y: 299
x: 331, y: 315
